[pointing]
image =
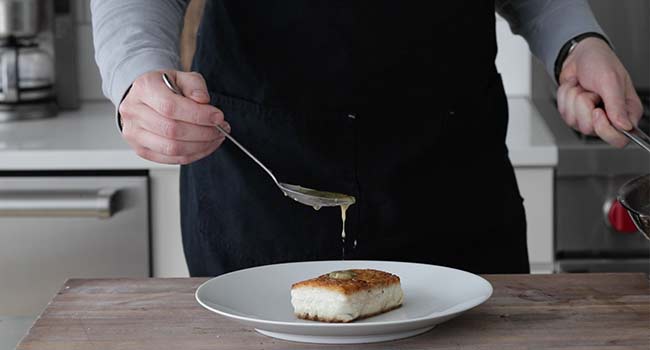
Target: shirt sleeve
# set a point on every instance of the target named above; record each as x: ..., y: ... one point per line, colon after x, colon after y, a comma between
x: 132, y: 37
x: 548, y: 24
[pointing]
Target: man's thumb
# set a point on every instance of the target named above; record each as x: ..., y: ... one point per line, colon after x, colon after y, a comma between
x: 193, y: 86
x: 613, y: 97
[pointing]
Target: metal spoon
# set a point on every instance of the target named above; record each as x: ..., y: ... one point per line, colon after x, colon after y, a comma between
x: 307, y: 196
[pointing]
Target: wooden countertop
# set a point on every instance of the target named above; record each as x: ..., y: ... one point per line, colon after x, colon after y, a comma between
x: 564, y: 311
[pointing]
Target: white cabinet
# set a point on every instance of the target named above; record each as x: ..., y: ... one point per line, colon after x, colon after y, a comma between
x: 166, y: 243
x: 536, y: 187
x: 55, y: 227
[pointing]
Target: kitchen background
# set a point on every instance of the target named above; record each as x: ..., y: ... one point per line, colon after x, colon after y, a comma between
x: 110, y: 213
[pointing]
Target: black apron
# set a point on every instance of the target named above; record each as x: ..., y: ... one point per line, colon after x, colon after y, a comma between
x: 395, y: 102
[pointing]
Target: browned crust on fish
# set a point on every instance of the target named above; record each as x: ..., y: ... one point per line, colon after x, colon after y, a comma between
x: 336, y: 320
x: 364, y: 279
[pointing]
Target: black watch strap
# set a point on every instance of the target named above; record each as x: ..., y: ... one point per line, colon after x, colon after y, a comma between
x: 118, y: 116
x: 566, y: 50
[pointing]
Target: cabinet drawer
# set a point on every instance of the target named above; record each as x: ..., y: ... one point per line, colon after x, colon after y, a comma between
x: 54, y: 228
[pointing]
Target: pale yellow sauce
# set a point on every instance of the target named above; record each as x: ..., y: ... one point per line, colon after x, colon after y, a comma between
x: 344, y: 209
x: 342, y: 275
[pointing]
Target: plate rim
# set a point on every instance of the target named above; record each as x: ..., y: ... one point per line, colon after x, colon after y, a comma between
x: 475, y: 302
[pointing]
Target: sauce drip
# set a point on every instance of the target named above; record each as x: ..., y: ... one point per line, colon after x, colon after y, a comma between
x: 344, y: 209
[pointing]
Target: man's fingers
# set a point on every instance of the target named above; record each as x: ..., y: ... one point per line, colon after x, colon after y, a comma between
x: 633, y: 102
x: 193, y: 86
x: 612, y: 92
x: 606, y: 131
x: 635, y: 109
x: 585, y: 102
x: 180, y: 108
x: 170, y: 105
x: 562, y: 93
x: 165, y: 146
x: 225, y: 126
x: 161, y: 158
x: 172, y: 129
x: 569, y: 114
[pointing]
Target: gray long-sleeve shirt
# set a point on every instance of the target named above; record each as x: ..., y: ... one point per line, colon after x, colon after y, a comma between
x: 133, y: 37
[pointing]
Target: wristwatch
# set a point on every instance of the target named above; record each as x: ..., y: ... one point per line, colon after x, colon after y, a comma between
x: 570, y: 45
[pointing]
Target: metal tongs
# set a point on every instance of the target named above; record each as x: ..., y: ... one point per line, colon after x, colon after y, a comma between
x: 637, y: 136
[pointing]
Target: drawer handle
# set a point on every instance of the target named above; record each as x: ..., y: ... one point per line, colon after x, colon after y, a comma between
x: 61, y: 203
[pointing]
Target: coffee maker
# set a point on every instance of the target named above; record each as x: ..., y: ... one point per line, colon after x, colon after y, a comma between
x: 27, y: 59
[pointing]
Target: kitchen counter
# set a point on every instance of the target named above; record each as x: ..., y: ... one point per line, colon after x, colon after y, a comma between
x: 565, y: 311
x: 88, y: 139
x: 73, y: 140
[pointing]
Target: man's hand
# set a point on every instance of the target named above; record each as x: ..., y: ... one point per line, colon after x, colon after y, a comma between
x: 592, y: 74
x: 167, y: 128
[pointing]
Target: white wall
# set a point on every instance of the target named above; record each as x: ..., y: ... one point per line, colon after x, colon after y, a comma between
x: 513, y: 60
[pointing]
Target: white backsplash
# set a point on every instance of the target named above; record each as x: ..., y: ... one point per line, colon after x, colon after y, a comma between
x: 89, y: 79
x: 513, y: 60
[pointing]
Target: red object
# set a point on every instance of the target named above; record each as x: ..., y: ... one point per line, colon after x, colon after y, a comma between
x: 619, y: 219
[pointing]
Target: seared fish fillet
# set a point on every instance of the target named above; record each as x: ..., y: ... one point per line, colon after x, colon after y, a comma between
x: 344, y: 296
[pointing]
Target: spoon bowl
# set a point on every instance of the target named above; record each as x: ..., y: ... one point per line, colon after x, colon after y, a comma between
x: 315, y: 198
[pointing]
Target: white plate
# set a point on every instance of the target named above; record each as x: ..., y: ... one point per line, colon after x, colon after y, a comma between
x: 260, y: 297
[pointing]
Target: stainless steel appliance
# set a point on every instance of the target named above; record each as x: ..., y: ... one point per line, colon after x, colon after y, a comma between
x: 593, y: 232
x: 26, y: 70
x: 29, y: 32
x: 59, y: 225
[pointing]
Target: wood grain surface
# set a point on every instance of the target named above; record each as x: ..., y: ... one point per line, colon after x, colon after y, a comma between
x: 191, y: 23
x: 563, y: 311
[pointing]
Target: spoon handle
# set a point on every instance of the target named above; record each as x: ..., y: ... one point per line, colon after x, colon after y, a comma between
x: 170, y: 84
x: 241, y: 147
